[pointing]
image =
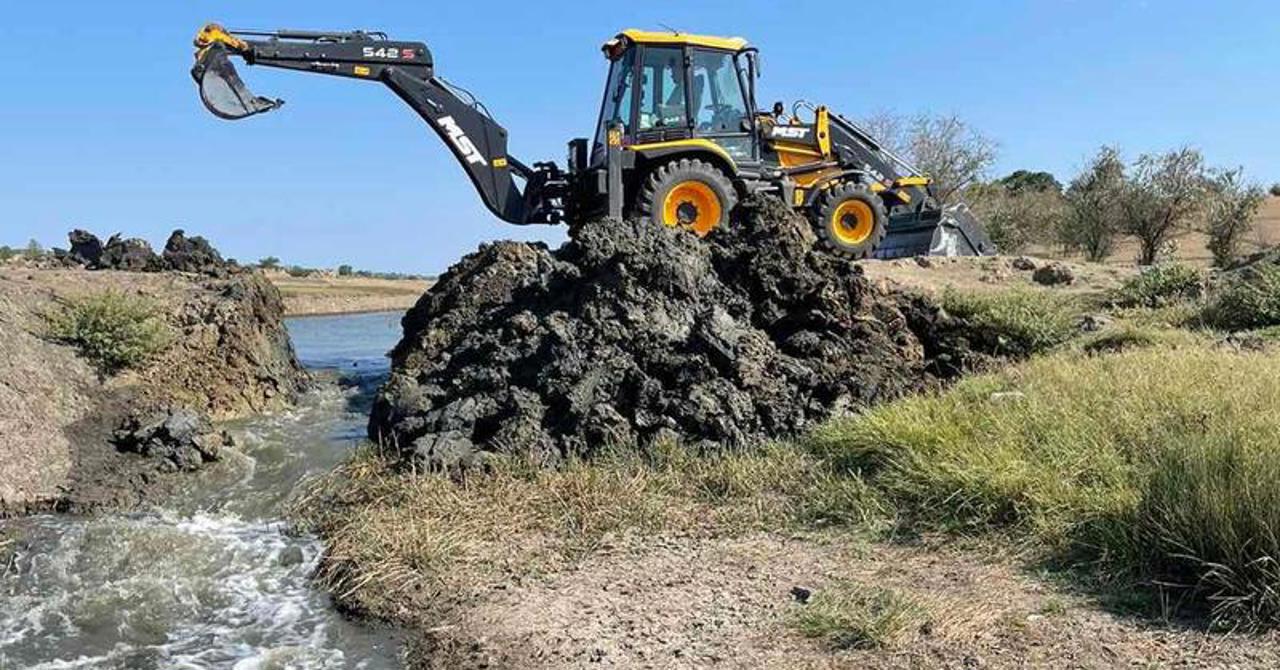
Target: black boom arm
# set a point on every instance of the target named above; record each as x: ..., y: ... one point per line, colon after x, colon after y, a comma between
x: 475, y: 138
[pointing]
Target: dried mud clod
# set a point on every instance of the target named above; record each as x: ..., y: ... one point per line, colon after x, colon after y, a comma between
x: 632, y: 334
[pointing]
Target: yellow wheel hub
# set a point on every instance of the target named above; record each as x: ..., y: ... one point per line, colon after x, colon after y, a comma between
x: 694, y: 205
x: 853, y: 222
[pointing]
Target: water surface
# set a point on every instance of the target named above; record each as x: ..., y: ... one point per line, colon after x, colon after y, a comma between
x: 213, y: 579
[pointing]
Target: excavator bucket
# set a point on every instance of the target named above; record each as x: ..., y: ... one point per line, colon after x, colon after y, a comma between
x: 222, y: 91
x: 954, y: 231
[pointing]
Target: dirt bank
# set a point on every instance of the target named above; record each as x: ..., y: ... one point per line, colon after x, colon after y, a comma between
x: 631, y: 335
x: 228, y: 355
x: 315, y: 296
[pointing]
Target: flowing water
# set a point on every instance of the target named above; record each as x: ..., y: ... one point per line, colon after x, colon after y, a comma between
x: 213, y: 580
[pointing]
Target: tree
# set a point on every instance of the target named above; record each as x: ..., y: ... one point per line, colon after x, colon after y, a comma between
x: 1094, y: 211
x: 1016, y: 218
x: 1275, y: 190
x: 944, y: 148
x: 1023, y: 180
x: 1164, y: 196
x: 345, y: 271
x: 1233, y: 204
x: 269, y: 263
x: 33, y: 250
x: 7, y: 252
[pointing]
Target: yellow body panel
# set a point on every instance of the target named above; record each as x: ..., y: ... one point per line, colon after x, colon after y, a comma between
x: 912, y: 181
x: 649, y: 37
x: 692, y: 144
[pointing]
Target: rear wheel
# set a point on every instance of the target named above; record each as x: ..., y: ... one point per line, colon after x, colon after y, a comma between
x: 851, y: 220
x: 688, y: 193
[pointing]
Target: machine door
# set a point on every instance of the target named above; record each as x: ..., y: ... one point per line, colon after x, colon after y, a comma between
x: 619, y: 94
x: 663, y: 113
x: 720, y: 103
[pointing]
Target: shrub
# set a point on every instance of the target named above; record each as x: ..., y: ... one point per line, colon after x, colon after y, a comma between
x: 113, y: 330
x: 1232, y: 208
x: 851, y: 616
x: 7, y: 252
x: 1093, y: 213
x: 1016, y: 323
x: 1159, y: 286
x: 1248, y: 299
x: 1275, y: 190
x: 1160, y: 466
x: 345, y: 271
x: 269, y: 263
x: 33, y: 251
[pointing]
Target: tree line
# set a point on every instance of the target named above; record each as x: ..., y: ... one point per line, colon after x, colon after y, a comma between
x: 1153, y: 199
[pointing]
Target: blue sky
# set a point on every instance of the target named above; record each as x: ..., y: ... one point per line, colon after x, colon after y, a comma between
x: 100, y: 126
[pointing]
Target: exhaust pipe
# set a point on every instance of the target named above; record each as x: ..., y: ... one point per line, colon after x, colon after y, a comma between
x: 221, y: 89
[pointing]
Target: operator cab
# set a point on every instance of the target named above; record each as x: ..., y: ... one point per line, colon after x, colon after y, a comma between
x: 669, y: 87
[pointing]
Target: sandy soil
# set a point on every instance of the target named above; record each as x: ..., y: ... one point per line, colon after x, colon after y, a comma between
x: 935, y: 275
x: 309, y: 296
x: 726, y: 603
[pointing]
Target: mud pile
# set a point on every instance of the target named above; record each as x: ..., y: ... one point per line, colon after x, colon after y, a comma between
x: 632, y: 333
x: 181, y: 254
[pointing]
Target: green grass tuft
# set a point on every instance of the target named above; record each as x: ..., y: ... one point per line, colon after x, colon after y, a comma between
x: 114, y: 331
x: 1156, y: 465
x: 1018, y: 322
x: 1160, y: 286
x: 850, y: 616
x: 1247, y: 300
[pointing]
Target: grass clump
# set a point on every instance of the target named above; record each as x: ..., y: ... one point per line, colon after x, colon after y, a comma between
x: 1249, y: 299
x: 1018, y: 322
x: 394, y: 535
x: 113, y: 330
x: 1161, y: 286
x: 1153, y: 466
x: 850, y: 616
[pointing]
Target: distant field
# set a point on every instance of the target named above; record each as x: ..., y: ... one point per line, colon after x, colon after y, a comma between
x: 305, y: 296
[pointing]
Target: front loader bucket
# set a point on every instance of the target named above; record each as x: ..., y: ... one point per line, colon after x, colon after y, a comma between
x: 955, y: 232
x: 222, y: 91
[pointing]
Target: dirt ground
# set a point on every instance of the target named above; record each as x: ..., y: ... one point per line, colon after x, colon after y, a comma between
x: 310, y: 296
x: 57, y: 414
x: 727, y: 603
x: 997, y: 273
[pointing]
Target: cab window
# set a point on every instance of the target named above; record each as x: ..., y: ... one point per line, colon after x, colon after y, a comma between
x: 662, y: 101
x: 721, y: 106
x: 618, y: 94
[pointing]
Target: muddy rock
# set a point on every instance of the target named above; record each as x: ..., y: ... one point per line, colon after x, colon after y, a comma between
x: 192, y: 254
x: 177, y: 438
x: 1054, y: 274
x: 132, y: 255
x: 632, y: 334
x: 86, y: 248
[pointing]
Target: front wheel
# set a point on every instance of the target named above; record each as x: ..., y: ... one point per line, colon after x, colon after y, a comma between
x: 851, y: 220
x: 688, y: 193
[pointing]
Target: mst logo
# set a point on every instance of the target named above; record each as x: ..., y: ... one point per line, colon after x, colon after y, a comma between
x: 460, y: 140
x: 790, y: 132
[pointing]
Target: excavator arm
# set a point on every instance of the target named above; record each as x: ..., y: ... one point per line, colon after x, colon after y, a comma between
x: 476, y: 140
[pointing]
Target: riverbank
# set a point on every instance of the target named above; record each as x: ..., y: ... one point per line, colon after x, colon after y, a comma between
x: 320, y: 296
x: 220, y: 351
x: 1102, y: 496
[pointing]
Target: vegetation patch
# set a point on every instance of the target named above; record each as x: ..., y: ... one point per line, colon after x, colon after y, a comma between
x: 113, y: 330
x: 1160, y: 286
x: 1156, y: 466
x: 1018, y: 322
x: 394, y: 535
x: 1248, y: 299
x: 847, y: 615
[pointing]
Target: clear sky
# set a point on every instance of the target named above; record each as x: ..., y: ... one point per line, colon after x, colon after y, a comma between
x: 100, y: 126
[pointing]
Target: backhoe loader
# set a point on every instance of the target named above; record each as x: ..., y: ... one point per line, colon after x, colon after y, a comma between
x: 680, y: 140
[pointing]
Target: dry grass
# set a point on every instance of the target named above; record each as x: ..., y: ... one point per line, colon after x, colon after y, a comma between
x: 848, y: 615
x: 305, y: 296
x: 397, y: 536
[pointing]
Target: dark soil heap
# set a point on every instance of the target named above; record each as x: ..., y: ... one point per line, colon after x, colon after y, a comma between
x: 631, y: 333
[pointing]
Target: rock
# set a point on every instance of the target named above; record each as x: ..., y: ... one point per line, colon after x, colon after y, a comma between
x: 86, y: 248
x: 801, y: 594
x: 633, y: 335
x: 923, y: 261
x: 1092, y: 323
x: 1054, y: 274
x: 179, y: 438
x: 192, y: 254
x: 131, y: 255
x: 291, y: 556
x: 1023, y: 263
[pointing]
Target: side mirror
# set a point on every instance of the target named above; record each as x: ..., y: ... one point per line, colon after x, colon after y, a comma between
x: 779, y: 109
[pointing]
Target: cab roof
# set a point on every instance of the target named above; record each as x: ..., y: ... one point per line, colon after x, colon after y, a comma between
x: 650, y: 37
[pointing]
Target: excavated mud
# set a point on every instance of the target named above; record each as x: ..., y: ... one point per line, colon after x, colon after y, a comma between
x: 632, y: 334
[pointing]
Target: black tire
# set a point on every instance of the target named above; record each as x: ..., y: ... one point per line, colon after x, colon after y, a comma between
x: 842, y: 223
x: 700, y: 180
